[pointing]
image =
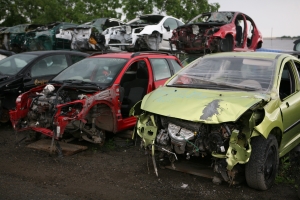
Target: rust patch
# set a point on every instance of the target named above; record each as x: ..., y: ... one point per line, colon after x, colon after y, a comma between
x: 211, y: 109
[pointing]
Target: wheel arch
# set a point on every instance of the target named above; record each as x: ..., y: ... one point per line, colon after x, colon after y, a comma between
x: 105, y: 117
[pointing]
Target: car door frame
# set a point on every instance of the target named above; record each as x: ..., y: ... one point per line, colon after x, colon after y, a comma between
x: 291, y: 135
x: 127, y: 122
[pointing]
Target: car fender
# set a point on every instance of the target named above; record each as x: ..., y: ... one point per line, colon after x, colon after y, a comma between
x: 148, y: 30
x: 272, y: 119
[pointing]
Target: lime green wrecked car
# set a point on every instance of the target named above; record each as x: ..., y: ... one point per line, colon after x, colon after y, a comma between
x: 242, y: 110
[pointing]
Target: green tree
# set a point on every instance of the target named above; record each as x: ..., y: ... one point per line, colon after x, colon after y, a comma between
x: 14, y: 12
x: 181, y: 9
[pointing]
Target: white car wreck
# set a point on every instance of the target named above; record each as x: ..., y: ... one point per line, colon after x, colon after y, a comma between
x: 147, y: 32
x: 88, y: 36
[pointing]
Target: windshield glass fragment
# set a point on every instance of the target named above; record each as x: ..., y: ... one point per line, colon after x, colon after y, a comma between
x: 214, y: 17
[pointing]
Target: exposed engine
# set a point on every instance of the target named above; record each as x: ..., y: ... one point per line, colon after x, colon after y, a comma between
x: 42, y: 108
x: 192, y: 138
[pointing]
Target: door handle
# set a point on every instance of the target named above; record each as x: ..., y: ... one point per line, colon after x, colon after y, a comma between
x: 287, y: 104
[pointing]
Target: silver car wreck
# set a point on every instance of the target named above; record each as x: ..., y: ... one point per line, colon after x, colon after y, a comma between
x: 147, y: 32
x: 88, y: 36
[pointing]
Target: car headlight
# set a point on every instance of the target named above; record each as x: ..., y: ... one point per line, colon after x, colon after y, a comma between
x: 195, y: 29
x: 128, y: 29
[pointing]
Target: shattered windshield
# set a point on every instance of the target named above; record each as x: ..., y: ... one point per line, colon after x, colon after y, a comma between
x: 215, y: 17
x: 98, y: 70
x: 227, y: 73
x: 150, y: 20
x: 13, y: 64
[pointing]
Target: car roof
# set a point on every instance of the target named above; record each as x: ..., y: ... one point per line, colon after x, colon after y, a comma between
x: 264, y: 55
x: 39, y: 53
x: 129, y: 55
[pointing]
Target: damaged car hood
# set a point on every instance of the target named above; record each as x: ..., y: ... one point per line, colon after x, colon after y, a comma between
x: 205, y: 106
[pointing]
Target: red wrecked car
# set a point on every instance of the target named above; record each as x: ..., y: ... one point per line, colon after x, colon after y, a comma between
x: 217, y: 32
x: 93, y: 96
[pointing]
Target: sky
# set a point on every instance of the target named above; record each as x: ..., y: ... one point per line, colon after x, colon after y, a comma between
x: 274, y: 18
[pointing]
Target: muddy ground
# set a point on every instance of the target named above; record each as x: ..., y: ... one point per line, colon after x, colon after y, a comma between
x: 110, y: 172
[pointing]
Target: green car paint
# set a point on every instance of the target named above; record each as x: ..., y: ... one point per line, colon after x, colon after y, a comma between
x: 259, y: 113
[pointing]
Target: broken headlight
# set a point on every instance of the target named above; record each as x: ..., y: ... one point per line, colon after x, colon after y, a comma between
x: 128, y: 30
x: 195, y: 29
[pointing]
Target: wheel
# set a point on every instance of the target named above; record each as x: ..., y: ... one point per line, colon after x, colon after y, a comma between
x: 262, y: 167
x: 297, y: 45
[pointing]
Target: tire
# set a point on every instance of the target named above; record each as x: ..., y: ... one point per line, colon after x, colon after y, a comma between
x: 297, y: 45
x: 262, y: 167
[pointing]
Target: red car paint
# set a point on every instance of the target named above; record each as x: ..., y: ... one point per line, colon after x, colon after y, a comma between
x: 86, y: 110
x: 217, y: 32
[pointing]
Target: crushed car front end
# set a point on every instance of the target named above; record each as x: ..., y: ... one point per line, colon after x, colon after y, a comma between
x: 79, y: 102
x: 205, y: 33
x: 207, y: 111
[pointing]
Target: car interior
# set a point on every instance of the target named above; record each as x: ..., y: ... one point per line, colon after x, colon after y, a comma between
x: 134, y: 86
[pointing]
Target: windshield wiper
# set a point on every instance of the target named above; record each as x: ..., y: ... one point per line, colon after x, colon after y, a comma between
x: 237, y: 86
x: 54, y: 81
x: 80, y: 82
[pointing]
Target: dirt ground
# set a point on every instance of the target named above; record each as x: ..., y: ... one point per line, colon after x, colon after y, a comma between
x: 107, y: 173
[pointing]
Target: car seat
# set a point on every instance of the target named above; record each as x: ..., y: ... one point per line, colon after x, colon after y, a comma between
x: 239, y: 33
x: 134, y: 90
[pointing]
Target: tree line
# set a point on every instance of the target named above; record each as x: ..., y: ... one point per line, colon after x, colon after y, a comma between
x: 14, y: 12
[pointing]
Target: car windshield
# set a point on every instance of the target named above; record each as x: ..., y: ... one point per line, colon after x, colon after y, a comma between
x: 101, y: 71
x: 215, y: 17
x: 13, y: 64
x: 151, y: 20
x: 227, y: 73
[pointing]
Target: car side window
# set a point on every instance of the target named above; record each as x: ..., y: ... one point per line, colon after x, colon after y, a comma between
x: 76, y: 58
x: 171, y: 23
x: 179, y: 23
x: 175, y: 65
x: 49, y: 66
x: 287, y: 81
x: 161, y: 69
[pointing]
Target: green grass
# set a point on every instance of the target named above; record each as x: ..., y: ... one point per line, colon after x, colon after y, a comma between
x: 286, y: 171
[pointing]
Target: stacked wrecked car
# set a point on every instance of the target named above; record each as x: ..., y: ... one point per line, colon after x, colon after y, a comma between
x: 217, y: 32
x: 147, y: 32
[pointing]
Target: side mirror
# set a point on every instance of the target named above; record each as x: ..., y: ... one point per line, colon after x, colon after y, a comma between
x: 167, y: 28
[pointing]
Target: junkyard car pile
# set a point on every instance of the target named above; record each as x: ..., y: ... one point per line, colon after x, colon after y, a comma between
x: 147, y: 32
x: 88, y: 36
x: 206, y: 33
x: 240, y: 109
x: 237, y: 109
x: 45, y: 37
x: 93, y: 96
